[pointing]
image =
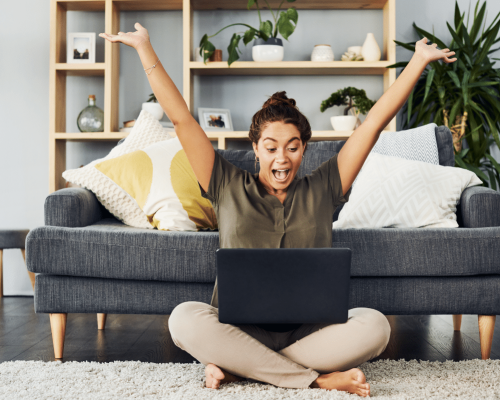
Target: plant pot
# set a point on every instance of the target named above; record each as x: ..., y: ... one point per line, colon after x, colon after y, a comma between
x: 343, y: 122
x: 267, y: 50
x: 154, y: 109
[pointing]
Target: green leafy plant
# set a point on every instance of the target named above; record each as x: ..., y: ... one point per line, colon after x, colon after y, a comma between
x: 284, y: 23
x: 464, y: 95
x: 152, y: 98
x: 355, y: 100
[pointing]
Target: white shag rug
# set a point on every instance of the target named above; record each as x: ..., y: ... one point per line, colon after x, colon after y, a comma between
x: 389, y: 379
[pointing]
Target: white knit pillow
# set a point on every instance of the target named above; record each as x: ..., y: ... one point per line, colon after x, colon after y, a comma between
x: 146, y: 131
x: 396, y: 193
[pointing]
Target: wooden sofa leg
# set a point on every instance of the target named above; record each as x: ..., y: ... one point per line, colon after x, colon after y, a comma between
x: 101, y: 321
x: 457, y: 322
x: 486, y: 328
x: 31, y: 274
x: 58, y: 328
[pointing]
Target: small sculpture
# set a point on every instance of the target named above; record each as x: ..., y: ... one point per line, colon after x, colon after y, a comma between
x: 351, y: 56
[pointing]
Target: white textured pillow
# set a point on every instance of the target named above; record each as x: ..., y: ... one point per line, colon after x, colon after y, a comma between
x: 146, y: 131
x: 396, y: 193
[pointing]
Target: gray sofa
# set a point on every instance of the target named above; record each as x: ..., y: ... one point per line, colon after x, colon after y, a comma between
x: 89, y: 262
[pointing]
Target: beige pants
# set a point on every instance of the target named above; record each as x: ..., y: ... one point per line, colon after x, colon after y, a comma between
x: 291, y: 359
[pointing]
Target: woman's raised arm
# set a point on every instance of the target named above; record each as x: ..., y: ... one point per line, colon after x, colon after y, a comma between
x: 194, y: 141
x: 356, y: 149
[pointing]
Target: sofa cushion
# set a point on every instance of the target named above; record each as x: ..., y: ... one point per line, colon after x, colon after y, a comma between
x: 110, y: 249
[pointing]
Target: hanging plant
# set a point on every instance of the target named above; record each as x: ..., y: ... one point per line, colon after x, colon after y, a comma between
x: 284, y: 24
x: 465, y: 95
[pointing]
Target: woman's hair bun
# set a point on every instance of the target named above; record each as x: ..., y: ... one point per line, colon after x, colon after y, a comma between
x: 279, y: 98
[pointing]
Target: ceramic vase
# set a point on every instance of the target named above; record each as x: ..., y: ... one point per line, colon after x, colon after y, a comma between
x: 370, y: 50
x: 268, y: 50
x: 154, y: 109
x: 322, y: 52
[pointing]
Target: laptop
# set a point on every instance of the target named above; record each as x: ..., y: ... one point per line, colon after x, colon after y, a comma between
x: 288, y: 286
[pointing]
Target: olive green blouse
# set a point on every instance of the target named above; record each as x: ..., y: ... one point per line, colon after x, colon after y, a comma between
x: 249, y: 217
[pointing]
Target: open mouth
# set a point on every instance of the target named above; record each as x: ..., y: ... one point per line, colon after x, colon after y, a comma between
x: 280, y: 174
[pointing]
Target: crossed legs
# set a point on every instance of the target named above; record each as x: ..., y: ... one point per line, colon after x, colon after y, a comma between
x: 292, y: 359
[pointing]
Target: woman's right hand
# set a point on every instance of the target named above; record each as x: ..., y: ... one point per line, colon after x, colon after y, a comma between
x: 132, y: 39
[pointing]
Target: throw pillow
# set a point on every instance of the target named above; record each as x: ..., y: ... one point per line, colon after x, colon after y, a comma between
x: 396, y: 193
x: 146, y: 131
x: 161, y: 181
x: 417, y: 144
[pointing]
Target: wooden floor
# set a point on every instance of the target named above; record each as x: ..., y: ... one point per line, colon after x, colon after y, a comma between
x: 25, y: 335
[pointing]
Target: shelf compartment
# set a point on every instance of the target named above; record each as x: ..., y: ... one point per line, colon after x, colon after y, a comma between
x: 83, y: 136
x: 300, y: 5
x: 82, y: 5
x: 149, y: 5
x: 234, y: 135
x: 77, y: 69
x: 290, y: 68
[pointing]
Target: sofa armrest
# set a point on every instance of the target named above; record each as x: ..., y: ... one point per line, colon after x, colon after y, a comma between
x: 72, y: 208
x: 480, y: 207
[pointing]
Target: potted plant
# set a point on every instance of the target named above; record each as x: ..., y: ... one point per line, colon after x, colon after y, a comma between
x: 153, y: 107
x: 465, y: 95
x: 356, y: 101
x: 267, y: 46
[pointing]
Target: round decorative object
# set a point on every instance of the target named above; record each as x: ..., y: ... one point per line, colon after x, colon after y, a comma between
x: 370, y: 50
x: 322, y: 52
x: 355, y: 49
x: 343, y: 122
x: 268, y: 50
x: 91, y: 118
x: 154, y: 109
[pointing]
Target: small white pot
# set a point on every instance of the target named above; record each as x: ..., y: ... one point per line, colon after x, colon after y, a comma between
x: 270, y: 50
x: 343, y: 122
x: 154, y: 109
x: 322, y: 52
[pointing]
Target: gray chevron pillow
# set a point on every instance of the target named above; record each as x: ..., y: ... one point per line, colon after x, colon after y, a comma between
x: 417, y: 144
x: 396, y: 193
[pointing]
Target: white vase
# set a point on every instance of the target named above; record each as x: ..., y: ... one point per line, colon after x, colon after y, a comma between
x: 270, y: 50
x: 154, y: 109
x: 343, y: 122
x: 322, y: 52
x: 370, y: 50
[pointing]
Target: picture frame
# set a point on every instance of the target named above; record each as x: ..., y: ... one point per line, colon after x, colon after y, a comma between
x: 81, y: 47
x: 215, y: 119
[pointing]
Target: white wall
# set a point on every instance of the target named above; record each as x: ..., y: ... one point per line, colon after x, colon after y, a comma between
x: 24, y: 86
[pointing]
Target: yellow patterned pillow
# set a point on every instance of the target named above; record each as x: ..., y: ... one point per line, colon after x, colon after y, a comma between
x: 161, y: 181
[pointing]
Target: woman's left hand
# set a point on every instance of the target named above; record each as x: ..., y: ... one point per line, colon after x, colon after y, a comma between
x: 432, y: 53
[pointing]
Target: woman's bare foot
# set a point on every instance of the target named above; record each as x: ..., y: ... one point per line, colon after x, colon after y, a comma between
x: 216, y: 376
x: 352, y: 381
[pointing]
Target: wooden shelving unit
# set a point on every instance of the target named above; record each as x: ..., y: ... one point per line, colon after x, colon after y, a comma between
x: 59, y: 69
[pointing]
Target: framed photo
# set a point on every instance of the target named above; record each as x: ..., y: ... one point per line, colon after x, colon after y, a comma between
x: 81, y: 47
x: 215, y: 119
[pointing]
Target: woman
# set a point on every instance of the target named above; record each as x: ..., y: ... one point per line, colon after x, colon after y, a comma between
x: 273, y: 208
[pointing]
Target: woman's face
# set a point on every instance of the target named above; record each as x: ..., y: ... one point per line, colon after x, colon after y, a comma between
x: 279, y: 151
